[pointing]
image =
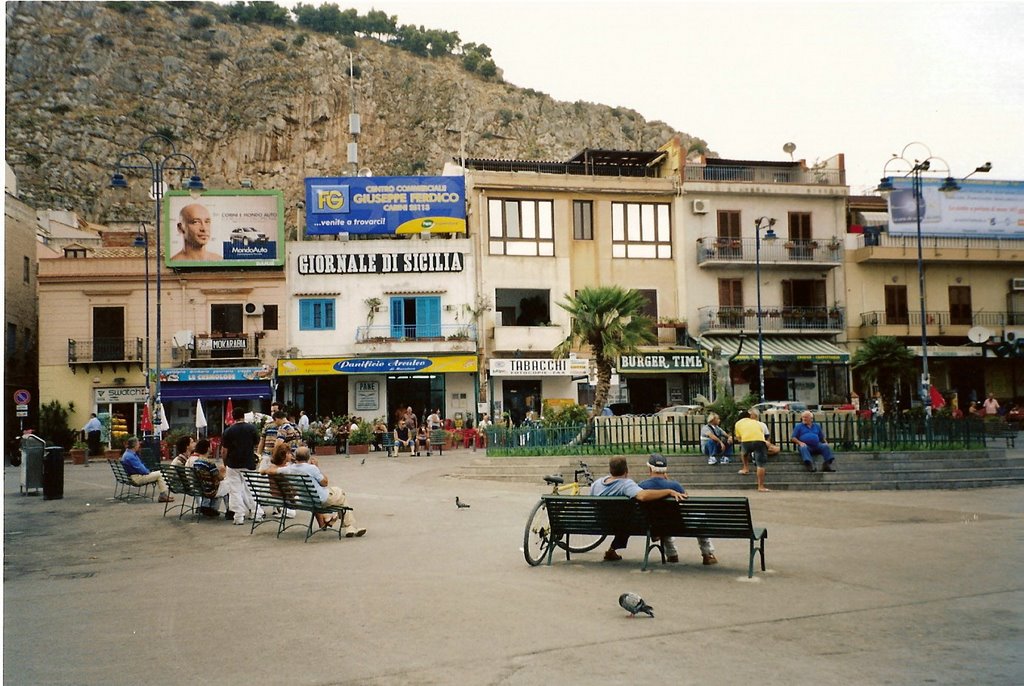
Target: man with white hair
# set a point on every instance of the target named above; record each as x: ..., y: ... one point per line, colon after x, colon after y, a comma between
x: 658, y: 466
x: 810, y: 440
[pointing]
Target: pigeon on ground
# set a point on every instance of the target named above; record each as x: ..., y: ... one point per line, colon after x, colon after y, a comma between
x: 460, y: 504
x: 632, y: 603
x: 364, y: 461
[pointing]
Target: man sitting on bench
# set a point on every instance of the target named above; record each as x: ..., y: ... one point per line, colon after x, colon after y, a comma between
x: 658, y: 466
x: 618, y: 483
x: 404, y: 437
x: 331, y: 496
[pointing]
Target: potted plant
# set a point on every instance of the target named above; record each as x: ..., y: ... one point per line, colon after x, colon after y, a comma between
x: 79, y: 452
x: 359, y: 440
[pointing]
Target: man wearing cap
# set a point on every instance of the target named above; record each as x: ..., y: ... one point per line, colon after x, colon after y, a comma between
x: 658, y: 466
x: 618, y: 483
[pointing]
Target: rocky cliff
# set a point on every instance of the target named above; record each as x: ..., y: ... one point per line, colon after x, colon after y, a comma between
x: 87, y: 82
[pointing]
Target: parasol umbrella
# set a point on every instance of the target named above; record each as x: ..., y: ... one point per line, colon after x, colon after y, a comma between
x: 938, y: 402
x: 163, y: 425
x: 228, y: 411
x: 200, y: 415
x: 146, y: 423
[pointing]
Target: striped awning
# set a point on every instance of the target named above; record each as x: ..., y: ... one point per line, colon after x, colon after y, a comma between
x: 776, y: 349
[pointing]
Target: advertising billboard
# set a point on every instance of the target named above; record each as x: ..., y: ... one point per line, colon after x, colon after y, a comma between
x: 224, y: 229
x: 385, y: 205
x: 983, y: 209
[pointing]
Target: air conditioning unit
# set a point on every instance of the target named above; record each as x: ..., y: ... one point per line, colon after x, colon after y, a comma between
x: 1017, y: 284
x: 701, y: 206
x: 253, y: 309
x: 1013, y: 334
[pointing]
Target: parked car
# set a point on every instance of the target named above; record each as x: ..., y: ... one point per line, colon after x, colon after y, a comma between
x: 620, y: 409
x: 780, y: 406
x: 247, y: 234
x: 682, y: 409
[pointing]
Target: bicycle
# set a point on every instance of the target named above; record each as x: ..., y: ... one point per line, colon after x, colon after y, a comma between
x: 536, y: 539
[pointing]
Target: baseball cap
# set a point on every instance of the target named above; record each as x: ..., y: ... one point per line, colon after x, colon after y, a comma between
x: 657, y: 460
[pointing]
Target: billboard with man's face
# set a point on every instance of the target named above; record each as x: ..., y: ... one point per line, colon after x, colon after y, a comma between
x: 224, y: 229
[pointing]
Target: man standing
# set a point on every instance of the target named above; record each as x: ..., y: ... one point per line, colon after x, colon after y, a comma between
x: 138, y: 472
x: 303, y: 421
x: 991, y: 406
x: 238, y: 444
x: 194, y: 225
x: 810, y: 440
x: 750, y: 434
x: 618, y: 483
x: 658, y: 466
x: 93, y: 430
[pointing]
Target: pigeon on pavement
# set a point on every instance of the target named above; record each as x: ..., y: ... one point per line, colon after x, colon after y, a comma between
x: 632, y: 603
x: 461, y: 505
x: 364, y: 461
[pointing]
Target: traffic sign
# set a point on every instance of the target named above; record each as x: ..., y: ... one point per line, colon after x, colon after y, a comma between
x: 21, y: 408
x: 21, y: 413
x: 22, y: 397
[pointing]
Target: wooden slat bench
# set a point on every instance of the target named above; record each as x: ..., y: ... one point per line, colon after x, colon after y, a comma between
x: 295, y: 491
x: 703, y: 517
x: 587, y: 515
x: 125, y: 489
x: 696, y: 517
x: 1000, y: 430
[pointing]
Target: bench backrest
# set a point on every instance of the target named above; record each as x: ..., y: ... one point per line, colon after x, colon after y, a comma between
x: 703, y: 516
x: 283, y: 490
x: 586, y: 514
x: 120, y: 474
x: 438, y: 437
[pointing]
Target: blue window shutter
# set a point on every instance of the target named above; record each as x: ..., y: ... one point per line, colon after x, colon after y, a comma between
x: 428, y: 317
x: 305, y: 314
x: 329, y: 314
x: 397, y: 317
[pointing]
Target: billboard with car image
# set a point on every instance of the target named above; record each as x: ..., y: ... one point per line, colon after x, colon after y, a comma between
x: 223, y: 229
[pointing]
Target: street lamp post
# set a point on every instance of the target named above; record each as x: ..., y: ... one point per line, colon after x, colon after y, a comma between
x: 761, y: 224
x: 143, y: 159
x: 949, y: 185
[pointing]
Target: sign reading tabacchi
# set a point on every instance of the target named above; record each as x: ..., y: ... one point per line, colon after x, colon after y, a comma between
x: 385, y: 205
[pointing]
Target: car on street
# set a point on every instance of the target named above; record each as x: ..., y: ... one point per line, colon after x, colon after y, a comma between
x: 780, y: 406
x: 682, y: 409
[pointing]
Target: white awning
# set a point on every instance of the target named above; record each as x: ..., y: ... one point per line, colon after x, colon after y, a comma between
x: 776, y: 349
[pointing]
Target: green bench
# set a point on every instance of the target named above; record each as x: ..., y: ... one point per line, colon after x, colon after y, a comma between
x: 1001, y: 431
x: 289, y: 491
x: 438, y: 437
x: 125, y: 489
x: 182, y: 481
x: 695, y: 517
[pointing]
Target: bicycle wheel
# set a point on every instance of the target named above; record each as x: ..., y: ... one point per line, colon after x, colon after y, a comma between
x: 536, y: 539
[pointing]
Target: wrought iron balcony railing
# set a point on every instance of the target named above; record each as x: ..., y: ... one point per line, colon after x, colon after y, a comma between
x: 773, y: 319
x: 87, y: 351
x: 416, y: 332
x: 879, y: 318
x: 713, y: 249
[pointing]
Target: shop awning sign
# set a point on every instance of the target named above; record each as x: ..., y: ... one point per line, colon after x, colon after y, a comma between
x: 662, y: 363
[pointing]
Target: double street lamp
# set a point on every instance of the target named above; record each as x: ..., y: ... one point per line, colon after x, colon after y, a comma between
x: 914, y: 170
x: 156, y: 154
x: 761, y: 224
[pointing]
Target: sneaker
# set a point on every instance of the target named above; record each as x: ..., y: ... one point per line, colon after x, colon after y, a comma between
x: 724, y: 460
x: 809, y: 466
x: 229, y: 515
x: 710, y: 559
x: 239, y: 522
x: 612, y: 556
x: 712, y: 460
x: 166, y: 498
x: 827, y: 467
x: 355, y: 533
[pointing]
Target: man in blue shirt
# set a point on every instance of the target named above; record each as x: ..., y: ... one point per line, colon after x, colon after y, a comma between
x: 810, y: 440
x: 618, y: 483
x: 658, y: 466
x: 93, y: 431
x: 138, y: 473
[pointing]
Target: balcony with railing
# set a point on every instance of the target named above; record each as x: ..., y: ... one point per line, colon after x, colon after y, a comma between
x: 713, y: 251
x: 937, y: 323
x: 773, y: 319
x: 785, y: 173
x: 441, y: 337
x: 885, y: 247
x: 98, y: 352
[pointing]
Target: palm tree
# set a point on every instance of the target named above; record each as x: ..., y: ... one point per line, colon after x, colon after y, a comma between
x: 886, y: 362
x: 610, y: 320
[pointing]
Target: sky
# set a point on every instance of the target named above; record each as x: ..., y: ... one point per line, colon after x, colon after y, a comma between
x: 864, y: 79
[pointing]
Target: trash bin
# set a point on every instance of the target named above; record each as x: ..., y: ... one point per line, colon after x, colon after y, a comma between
x: 150, y: 452
x: 32, y: 448
x: 53, y: 473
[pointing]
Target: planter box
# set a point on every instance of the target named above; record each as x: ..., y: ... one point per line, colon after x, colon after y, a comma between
x: 325, y: 450
x: 361, y: 449
x: 77, y: 456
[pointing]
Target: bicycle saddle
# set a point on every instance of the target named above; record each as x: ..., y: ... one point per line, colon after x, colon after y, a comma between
x: 554, y: 479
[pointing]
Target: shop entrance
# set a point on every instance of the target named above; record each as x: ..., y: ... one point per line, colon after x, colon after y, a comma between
x: 425, y: 392
x: 322, y: 396
x: 646, y: 394
x: 520, y: 397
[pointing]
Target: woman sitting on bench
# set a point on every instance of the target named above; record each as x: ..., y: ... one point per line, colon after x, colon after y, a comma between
x: 422, y: 441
